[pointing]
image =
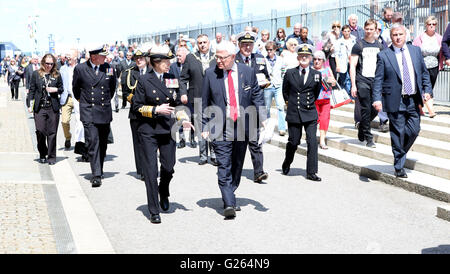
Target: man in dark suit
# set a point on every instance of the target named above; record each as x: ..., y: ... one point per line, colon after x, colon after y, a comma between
x: 191, y: 80
x: 34, y: 65
x: 401, y: 84
x: 124, y: 65
x: 257, y: 62
x: 176, y: 69
x: 233, y: 99
x: 301, y: 87
x: 94, y: 84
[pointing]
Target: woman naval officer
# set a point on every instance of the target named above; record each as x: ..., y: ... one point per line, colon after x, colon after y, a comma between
x: 45, y: 86
x: 156, y: 96
x: 132, y: 76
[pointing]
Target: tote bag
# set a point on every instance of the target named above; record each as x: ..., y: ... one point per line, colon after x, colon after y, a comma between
x: 339, y: 97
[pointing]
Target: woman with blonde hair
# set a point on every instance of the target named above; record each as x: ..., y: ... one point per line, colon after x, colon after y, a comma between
x: 429, y: 43
x: 289, y: 56
x: 45, y: 86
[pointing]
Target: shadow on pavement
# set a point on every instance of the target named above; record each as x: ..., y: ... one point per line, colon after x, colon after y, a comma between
x: 442, y: 249
x: 107, y: 175
x: 193, y: 159
x: 217, y: 204
x: 110, y: 158
x: 296, y: 172
x: 173, y: 207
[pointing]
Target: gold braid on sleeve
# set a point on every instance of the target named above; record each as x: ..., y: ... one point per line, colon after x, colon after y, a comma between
x: 146, y: 111
x: 132, y: 88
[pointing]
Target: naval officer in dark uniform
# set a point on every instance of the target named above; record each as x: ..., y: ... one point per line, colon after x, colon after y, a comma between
x: 156, y: 96
x: 94, y: 83
x: 301, y: 87
x: 257, y: 62
x: 132, y: 76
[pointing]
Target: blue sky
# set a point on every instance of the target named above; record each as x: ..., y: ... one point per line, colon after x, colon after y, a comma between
x: 103, y: 21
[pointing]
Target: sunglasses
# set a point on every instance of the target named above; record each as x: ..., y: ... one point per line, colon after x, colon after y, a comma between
x: 431, y: 24
x: 269, y: 50
x: 335, y: 27
x: 49, y: 64
x: 317, y: 59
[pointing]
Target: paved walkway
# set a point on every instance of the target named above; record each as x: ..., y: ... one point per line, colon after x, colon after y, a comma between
x: 25, y: 225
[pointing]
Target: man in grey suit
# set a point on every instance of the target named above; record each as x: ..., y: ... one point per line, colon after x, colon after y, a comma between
x: 401, y: 84
x: 34, y: 65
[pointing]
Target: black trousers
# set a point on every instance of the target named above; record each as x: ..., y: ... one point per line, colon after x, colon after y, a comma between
x: 124, y: 98
x: 332, y: 61
x: 96, y: 136
x: 46, y: 121
x: 137, y: 147
x: 433, y: 75
x: 167, y: 148
x: 368, y: 112
x: 14, y: 85
x: 295, y: 135
x: 230, y: 156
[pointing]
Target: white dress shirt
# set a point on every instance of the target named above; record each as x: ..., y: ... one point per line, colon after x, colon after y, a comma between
x: 398, y: 55
x: 306, y: 74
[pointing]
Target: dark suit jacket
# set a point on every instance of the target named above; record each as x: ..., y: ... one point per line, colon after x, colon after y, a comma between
x: 258, y: 63
x: 175, y: 69
x: 150, y: 91
x: 94, y: 92
x: 37, y: 84
x: 121, y: 68
x: 446, y: 43
x: 193, y: 74
x: 214, y: 94
x: 387, y: 86
x: 28, y: 74
x: 300, y: 99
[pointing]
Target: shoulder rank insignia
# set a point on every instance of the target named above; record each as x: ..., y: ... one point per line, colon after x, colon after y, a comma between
x: 172, y: 83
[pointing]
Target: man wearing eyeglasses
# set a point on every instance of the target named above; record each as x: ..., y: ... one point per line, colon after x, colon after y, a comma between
x: 257, y: 62
x: 94, y: 84
x: 191, y: 80
x: 232, y: 102
x: 296, y: 34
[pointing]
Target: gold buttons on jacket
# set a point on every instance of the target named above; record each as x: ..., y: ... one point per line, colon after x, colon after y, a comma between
x: 157, y: 98
x: 102, y: 87
x: 92, y: 93
x: 154, y: 91
x: 167, y: 98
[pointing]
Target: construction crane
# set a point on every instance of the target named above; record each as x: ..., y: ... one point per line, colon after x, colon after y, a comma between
x: 228, y: 16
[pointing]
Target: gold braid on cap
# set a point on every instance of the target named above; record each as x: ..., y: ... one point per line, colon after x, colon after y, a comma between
x: 182, y: 116
x: 146, y: 111
x: 128, y: 81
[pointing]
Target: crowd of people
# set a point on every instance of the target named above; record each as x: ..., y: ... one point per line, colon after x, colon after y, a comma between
x: 221, y: 93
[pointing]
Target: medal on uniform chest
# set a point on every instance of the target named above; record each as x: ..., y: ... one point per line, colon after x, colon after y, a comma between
x: 172, y: 83
x: 174, y: 96
x: 109, y: 72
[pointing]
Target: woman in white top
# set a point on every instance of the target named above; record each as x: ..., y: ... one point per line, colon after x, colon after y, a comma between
x: 333, y: 37
x: 429, y: 43
x: 343, y: 49
x: 289, y: 56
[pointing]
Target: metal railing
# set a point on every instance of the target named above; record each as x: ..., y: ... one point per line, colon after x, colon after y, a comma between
x: 319, y: 18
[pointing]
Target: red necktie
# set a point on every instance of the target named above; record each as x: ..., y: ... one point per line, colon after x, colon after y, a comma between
x: 233, y: 104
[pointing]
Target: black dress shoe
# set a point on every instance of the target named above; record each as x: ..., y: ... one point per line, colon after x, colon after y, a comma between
x: 202, y: 162
x: 96, y: 181
x: 164, y: 202
x: 360, y: 134
x: 117, y: 110
x: 67, y: 144
x: 229, y: 212
x: 258, y: 178
x: 285, y: 168
x: 85, y: 158
x: 193, y: 144
x: 123, y: 107
x: 214, y: 162
x: 43, y: 160
x: 401, y: 173
x: 181, y: 144
x: 155, y: 219
x: 51, y: 163
x: 313, y: 177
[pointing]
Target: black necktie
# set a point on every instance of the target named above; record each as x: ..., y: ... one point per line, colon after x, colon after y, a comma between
x: 161, y: 78
x: 302, y: 77
x: 96, y: 70
x: 142, y: 72
x: 247, y: 61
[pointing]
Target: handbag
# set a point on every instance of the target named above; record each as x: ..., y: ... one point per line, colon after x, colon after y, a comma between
x: 339, y: 97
